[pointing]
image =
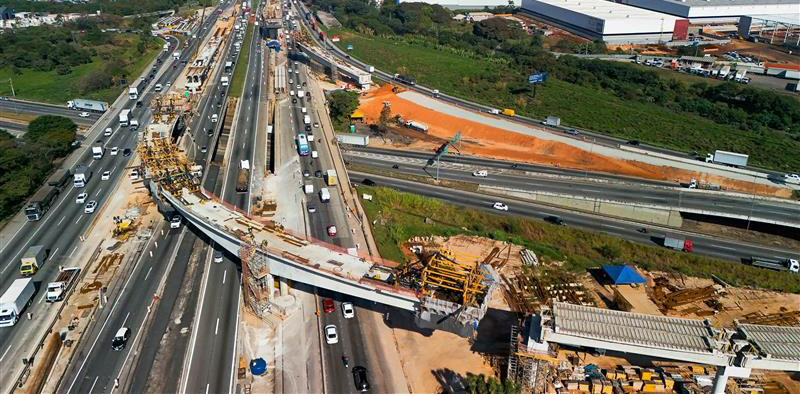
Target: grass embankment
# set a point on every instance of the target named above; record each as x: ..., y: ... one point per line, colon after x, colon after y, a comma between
x: 240, y: 71
x: 480, y: 79
x: 400, y: 216
x: 51, y: 87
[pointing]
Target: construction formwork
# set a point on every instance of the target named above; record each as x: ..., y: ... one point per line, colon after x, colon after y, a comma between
x: 256, y: 281
x: 162, y: 162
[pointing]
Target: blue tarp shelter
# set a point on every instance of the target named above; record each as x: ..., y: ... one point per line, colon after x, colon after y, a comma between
x: 623, y: 274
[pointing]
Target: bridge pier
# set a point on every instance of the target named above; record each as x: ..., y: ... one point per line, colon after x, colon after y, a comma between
x: 725, y: 372
x: 284, y: 284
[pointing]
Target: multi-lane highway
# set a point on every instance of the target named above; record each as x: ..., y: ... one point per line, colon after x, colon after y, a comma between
x: 100, y: 366
x: 211, y: 354
x: 13, y: 106
x: 62, y: 225
x: 612, y: 188
x: 704, y: 245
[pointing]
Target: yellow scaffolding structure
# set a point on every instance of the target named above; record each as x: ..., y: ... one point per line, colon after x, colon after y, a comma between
x: 444, y: 271
x: 165, y: 165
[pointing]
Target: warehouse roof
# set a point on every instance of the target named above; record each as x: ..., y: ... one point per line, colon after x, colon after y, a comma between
x: 725, y: 3
x: 603, y: 9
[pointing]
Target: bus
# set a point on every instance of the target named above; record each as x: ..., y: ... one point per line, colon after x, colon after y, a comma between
x: 302, y: 145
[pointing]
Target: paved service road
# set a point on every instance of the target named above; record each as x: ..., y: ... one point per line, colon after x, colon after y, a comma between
x: 623, y: 190
x: 34, y: 108
x: 704, y: 245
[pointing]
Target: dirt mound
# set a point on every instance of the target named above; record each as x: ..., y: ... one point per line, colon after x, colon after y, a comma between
x: 486, y: 141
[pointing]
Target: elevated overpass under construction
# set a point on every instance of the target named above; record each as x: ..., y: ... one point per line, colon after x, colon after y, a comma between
x: 734, y: 351
x: 336, y: 68
x: 444, y: 290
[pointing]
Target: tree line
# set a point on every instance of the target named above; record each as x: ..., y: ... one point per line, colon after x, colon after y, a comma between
x: 729, y: 103
x: 26, y: 162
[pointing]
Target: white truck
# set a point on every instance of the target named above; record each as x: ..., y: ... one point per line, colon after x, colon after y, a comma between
x: 57, y: 289
x: 16, y: 298
x: 133, y: 93
x: 307, y: 119
x: 81, y: 176
x: 414, y: 125
x: 324, y: 194
x: 134, y: 125
x: 224, y: 81
x: 308, y: 188
x: 727, y: 158
x: 97, y: 152
x: 301, y: 94
x: 87, y: 105
x: 790, y: 265
x: 552, y: 121
x: 124, y: 117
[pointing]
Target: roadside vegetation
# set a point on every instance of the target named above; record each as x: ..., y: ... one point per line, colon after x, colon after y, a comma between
x: 342, y: 104
x: 79, y: 59
x: 490, y: 61
x: 26, y: 162
x: 240, y: 70
x: 105, y: 7
x: 399, y: 216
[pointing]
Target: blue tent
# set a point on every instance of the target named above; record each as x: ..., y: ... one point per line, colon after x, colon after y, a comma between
x: 623, y: 274
x: 258, y: 366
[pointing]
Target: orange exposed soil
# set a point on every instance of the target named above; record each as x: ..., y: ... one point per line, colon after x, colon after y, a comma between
x: 486, y: 141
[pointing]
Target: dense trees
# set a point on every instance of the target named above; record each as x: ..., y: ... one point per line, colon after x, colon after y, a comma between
x: 342, y: 104
x: 25, y: 162
x: 43, y: 49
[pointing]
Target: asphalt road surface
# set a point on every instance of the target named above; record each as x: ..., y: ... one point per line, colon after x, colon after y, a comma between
x: 61, y: 226
x: 501, y: 175
x: 703, y: 245
x: 212, y: 351
x: 34, y: 108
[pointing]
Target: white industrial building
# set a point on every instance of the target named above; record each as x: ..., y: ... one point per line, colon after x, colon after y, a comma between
x: 604, y: 20
x: 468, y: 4
x: 719, y: 8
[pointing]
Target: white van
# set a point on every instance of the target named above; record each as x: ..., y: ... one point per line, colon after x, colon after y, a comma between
x: 303, y: 109
x: 291, y: 92
x: 158, y: 87
x: 314, y: 154
x: 214, y: 118
x: 309, y: 189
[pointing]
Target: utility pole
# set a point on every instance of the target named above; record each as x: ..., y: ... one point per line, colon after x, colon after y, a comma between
x: 11, y: 81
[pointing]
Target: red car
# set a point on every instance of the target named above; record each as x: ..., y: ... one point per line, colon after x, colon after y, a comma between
x: 332, y: 231
x: 327, y: 305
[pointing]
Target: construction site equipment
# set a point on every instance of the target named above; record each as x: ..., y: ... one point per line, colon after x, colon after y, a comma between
x: 164, y: 164
x: 122, y: 226
x: 444, y: 275
x: 527, y: 293
x: 679, y: 297
x: 255, y: 268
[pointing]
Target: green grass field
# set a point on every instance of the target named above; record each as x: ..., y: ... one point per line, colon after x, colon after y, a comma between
x: 50, y: 87
x: 399, y: 216
x: 481, y: 79
x: 240, y: 71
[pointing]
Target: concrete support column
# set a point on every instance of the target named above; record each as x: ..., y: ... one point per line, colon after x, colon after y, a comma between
x: 721, y: 380
x: 271, y: 287
x: 284, y: 286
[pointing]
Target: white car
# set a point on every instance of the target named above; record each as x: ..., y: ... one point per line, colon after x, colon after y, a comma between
x: 175, y: 222
x: 331, y: 337
x: 134, y: 175
x: 481, y: 173
x: 108, y: 131
x: 84, y: 114
x: 106, y: 176
x: 81, y: 198
x: 500, y: 206
x: 348, y: 311
x: 90, y: 207
x: 114, y: 151
x: 214, y: 118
